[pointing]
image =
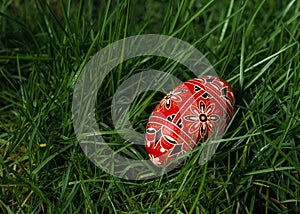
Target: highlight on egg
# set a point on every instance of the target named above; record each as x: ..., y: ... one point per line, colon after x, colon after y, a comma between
x: 190, y: 113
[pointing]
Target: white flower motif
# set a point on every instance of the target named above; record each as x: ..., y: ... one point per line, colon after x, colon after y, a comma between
x: 155, y: 160
x: 202, y: 118
x: 171, y: 97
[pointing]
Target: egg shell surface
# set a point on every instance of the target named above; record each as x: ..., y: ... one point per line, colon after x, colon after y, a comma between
x: 190, y: 113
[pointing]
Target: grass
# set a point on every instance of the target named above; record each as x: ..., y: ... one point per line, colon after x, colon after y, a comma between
x: 254, y: 45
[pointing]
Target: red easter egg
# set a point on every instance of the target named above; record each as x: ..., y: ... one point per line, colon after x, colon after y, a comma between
x: 191, y: 112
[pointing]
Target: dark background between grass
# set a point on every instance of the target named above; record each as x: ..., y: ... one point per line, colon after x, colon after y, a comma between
x: 254, y: 45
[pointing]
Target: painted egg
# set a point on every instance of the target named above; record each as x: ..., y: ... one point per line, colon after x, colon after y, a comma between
x: 190, y: 113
